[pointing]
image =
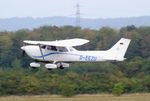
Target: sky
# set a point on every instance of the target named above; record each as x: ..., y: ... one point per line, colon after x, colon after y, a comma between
x: 89, y: 8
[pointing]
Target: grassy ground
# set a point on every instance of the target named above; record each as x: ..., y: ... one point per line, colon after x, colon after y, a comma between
x: 103, y: 97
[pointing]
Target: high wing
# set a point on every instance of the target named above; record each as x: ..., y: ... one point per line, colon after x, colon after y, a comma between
x: 60, y: 43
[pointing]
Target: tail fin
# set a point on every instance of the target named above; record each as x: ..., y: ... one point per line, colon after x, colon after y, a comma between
x: 119, y: 49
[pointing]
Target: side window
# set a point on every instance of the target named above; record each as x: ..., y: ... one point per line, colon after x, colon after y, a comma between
x: 43, y: 46
x: 53, y: 48
x: 48, y: 47
x: 63, y: 49
x: 71, y: 49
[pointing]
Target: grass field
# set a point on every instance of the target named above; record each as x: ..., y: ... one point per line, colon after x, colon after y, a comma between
x: 103, y: 97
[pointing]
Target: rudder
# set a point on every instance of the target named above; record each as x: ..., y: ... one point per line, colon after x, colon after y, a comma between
x: 119, y: 49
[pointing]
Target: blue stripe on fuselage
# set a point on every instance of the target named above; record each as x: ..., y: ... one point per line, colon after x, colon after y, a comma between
x: 54, y: 53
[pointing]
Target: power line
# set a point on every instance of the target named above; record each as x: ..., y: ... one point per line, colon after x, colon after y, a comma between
x: 78, y: 14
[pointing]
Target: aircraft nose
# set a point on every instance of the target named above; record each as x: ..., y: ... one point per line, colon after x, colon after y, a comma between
x: 23, y: 48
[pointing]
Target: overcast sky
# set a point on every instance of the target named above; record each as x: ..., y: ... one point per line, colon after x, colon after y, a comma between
x: 89, y: 8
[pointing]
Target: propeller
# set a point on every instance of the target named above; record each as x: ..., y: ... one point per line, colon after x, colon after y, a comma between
x: 23, y: 53
x: 23, y: 50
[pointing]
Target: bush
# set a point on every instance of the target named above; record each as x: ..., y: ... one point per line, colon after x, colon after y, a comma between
x: 118, y: 89
x: 67, y: 90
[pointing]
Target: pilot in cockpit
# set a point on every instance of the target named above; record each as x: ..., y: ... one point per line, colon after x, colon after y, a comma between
x: 53, y: 48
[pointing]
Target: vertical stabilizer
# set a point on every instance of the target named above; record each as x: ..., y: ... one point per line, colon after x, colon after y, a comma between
x: 119, y: 49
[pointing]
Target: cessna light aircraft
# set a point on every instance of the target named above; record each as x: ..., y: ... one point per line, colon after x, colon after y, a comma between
x: 57, y: 54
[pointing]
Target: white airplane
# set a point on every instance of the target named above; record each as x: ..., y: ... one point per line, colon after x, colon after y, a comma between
x: 58, y: 54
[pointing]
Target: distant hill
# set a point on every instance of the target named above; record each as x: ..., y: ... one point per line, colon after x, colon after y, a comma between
x: 13, y: 24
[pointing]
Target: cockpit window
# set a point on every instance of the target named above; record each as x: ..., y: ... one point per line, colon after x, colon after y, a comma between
x: 43, y: 46
x: 48, y: 47
x: 53, y: 48
x: 60, y: 49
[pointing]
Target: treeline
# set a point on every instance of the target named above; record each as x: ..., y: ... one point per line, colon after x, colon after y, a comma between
x: 130, y: 76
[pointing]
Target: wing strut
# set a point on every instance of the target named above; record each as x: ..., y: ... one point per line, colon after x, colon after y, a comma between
x: 41, y: 52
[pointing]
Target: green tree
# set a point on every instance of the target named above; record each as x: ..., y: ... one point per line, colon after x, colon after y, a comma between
x: 118, y: 89
x: 29, y: 85
x: 16, y: 64
x: 5, y: 50
x: 67, y: 89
